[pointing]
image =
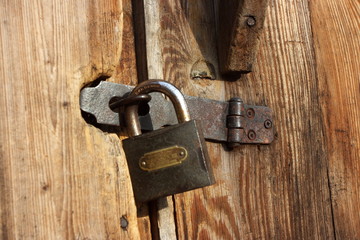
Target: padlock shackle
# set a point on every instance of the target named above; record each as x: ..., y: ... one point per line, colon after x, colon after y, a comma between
x: 174, y: 94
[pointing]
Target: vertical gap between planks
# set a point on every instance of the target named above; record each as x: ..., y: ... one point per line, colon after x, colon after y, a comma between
x: 140, y: 41
x: 150, y: 66
x: 145, y: 215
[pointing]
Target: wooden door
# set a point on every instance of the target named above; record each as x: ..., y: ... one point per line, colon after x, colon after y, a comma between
x: 61, y: 178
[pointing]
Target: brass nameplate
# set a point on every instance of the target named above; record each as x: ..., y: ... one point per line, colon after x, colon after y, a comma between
x: 163, y: 158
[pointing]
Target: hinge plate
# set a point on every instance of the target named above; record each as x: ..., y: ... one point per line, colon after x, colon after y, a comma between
x: 213, y: 115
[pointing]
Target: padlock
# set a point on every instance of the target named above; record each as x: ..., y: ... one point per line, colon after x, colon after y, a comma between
x: 170, y: 160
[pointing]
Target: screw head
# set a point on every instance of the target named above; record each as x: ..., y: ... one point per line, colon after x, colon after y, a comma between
x: 143, y: 163
x: 251, y: 21
x: 267, y: 124
x: 250, y: 113
x: 251, y: 135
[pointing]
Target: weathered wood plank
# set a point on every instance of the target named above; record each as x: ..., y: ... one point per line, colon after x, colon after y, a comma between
x: 156, y: 34
x: 336, y: 31
x: 291, y: 198
x: 184, y: 46
x: 162, y: 210
x: 275, y: 192
x: 61, y: 178
x: 240, y: 25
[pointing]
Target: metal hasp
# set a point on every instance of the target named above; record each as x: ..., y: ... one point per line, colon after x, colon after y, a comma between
x: 240, y: 24
x: 230, y: 122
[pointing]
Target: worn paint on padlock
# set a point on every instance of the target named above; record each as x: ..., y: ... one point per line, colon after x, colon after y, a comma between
x: 163, y: 158
x: 194, y: 172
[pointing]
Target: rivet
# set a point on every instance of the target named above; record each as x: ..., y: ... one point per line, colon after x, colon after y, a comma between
x: 268, y: 124
x: 250, y: 113
x: 251, y: 135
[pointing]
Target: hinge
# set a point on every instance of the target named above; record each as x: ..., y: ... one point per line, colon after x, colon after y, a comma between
x: 230, y: 122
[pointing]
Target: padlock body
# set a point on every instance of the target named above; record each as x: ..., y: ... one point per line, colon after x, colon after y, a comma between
x: 162, y: 180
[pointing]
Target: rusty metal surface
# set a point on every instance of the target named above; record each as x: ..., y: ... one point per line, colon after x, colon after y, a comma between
x: 211, y: 113
x: 95, y: 100
x: 257, y: 125
x: 248, y: 124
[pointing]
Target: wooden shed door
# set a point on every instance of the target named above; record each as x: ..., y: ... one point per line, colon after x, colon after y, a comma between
x: 61, y: 178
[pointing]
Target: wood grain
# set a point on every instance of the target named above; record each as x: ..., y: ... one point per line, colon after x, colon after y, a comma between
x: 61, y: 178
x: 183, y: 46
x: 294, y: 199
x: 161, y: 210
x: 274, y: 192
x: 240, y: 25
x: 336, y: 32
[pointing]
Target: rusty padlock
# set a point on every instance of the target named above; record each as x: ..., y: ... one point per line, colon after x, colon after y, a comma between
x: 169, y: 160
